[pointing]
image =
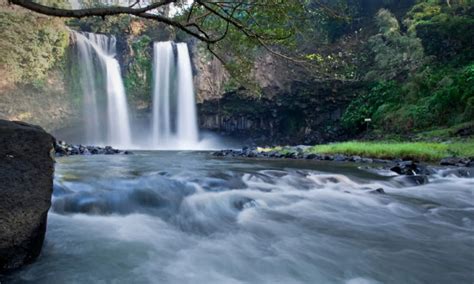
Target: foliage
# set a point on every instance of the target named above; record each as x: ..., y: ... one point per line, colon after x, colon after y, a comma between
x: 438, y: 96
x: 274, y: 19
x: 367, y: 104
x: 139, y: 76
x: 115, y: 25
x: 30, y: 46
x: 446, y: 30
x: 395, y: 54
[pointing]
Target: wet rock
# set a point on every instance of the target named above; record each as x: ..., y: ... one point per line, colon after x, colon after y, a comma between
x: 380, y: 161
x: 458, y: 172
x: 311, y: 156
x: 377, y: 191
x: 26, y: 174
x: 340, y: 158
x: 356, y: 159
x: 413, y: 180
x: 61, y: 148
x: 327, y: 157
x: 452, y: 161
x: 409, y: 168
x: 244, y: 203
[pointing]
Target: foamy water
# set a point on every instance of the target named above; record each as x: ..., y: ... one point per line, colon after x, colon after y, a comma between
x: 186, y: 217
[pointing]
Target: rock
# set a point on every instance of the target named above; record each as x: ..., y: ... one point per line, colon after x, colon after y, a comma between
x: 340, y: 158
x: 413, y: 180
x: 458, y: 172
x: 452, y: 161
x: 377, y: 191
x: 327, y: 158
x: 356, y: 159
x: 311, y: 156
x: 26, y: 174
x: 409, y: 168
x: 471, y: 163
x: 244, y: 203
x: 63, y: 149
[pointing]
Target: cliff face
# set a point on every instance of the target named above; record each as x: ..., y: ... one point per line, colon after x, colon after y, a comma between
x: 26, y: 185
x: 305, y: 112
x: 49, y: 105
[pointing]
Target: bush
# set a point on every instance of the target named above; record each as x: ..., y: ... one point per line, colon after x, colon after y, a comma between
x: 30, y: 46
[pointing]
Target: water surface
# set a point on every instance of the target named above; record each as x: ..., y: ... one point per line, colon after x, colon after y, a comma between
x: 187, y: 217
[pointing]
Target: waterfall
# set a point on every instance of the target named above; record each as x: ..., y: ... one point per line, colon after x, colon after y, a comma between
x: 163, y: 60
x: 174, y: 120
x: 116, y: 125
x: 187, y: 117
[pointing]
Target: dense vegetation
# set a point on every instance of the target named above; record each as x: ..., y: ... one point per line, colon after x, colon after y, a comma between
x: 422, y: 73
x: 31, y: 45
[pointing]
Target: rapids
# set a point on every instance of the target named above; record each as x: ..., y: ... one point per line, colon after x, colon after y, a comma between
x: 188, y: 217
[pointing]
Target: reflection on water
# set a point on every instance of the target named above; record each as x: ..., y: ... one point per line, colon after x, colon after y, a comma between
x: 184, y: 217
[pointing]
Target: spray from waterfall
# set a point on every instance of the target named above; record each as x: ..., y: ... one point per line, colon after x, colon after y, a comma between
x: 174, y: 119
x: 114, y: 129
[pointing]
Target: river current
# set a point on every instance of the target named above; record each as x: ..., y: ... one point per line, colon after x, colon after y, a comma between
x: 189, y: 217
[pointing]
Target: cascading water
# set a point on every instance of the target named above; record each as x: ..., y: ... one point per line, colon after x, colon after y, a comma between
x: 187, y: 128
x: 174, y: 121
x: 117, y: 123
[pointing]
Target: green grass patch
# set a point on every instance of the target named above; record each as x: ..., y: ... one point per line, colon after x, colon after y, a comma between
x: 390, y: 150
x: 445, y: 133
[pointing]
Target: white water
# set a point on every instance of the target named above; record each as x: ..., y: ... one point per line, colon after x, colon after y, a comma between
x: 116, y: 126
x: 187, y: 217
x: 174, y: 120
x: 187, y: 118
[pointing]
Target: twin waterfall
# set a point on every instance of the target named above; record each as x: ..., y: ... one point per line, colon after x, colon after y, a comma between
x: 106, y: 117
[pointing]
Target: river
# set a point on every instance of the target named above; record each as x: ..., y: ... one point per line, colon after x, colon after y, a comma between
x: 189, y: 217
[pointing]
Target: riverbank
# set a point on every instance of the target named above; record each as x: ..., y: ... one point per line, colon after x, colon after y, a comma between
x: 62, y: 148
x: 459, y: 153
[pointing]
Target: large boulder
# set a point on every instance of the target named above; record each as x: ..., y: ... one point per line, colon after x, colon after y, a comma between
x: 26, y: 184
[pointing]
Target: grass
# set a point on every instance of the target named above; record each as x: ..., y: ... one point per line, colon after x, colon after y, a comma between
x: 444, y: 133
x: 406, y: 150
x: 423, y: 151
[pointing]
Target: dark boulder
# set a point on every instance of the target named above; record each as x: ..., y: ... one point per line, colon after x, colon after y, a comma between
x: 26, y: 185
x: 452, y: 161
x: 377, y: 191
x: 410, y: 168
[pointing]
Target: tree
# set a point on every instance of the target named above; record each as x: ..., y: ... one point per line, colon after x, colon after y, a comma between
x: 263, y: 21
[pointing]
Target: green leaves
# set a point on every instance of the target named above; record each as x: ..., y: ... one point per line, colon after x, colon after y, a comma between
x: 30, y: 45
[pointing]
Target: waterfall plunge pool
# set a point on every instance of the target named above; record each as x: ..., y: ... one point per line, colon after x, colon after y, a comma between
x: 188, y: 217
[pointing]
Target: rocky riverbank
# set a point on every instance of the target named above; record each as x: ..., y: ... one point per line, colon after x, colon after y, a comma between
x: 61, y: 148
x: 399, y: 166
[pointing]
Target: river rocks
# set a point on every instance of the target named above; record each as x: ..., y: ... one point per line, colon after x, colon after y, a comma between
x: 290, y: 152
x: 403, y: 168
x: 26, y: 185
x: 63, y: 149
x: 459, y: 162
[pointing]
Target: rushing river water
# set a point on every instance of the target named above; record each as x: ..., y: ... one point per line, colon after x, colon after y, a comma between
x: 187, y: 217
